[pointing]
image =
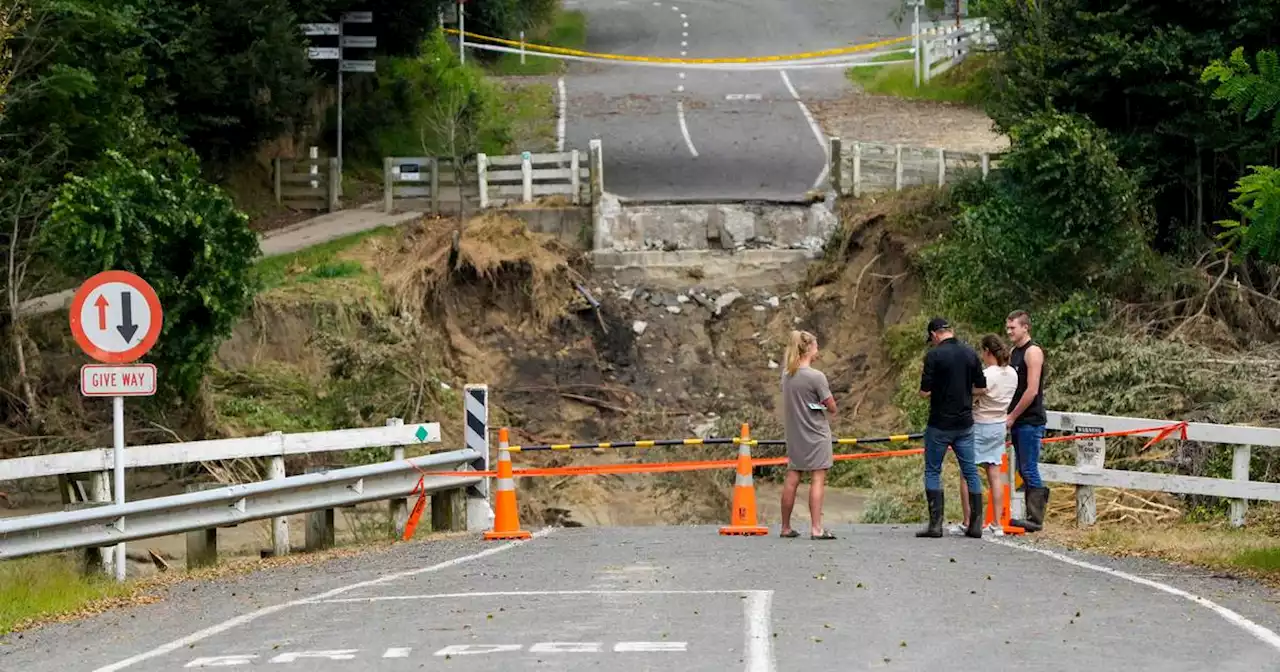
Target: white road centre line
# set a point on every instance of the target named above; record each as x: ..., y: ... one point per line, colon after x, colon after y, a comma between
x: 813, y: 125
x: 267, y: 611
x: 560, y: 113
x: 684, y: 129
x: 756, y: 609
x: 1266, y: 635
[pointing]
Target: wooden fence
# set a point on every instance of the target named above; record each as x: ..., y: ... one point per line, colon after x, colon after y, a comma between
x: 944, y: 47
x: 307, y: 184
x: 866, y: 167
x: 489, y: 181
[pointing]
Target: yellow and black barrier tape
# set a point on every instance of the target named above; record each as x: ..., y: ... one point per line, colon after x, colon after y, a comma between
x: 654, y: 443
x: 838, y: 51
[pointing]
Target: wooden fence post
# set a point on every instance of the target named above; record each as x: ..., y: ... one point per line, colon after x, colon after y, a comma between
x: 857, y: 170
x: 388, y: 183
x: 435, y: 185
x: 575, y: 178
x: 482, y: 176
x: 335, y: 183
x: 837, y: 180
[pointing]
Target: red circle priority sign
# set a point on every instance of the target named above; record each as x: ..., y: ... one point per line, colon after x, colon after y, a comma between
x: 116, y: 317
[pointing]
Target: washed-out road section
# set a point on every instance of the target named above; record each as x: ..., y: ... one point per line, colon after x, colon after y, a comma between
x: 676, y: 598
x: 696, y: 134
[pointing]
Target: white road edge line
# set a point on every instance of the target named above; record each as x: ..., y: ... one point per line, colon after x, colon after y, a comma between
x: 684, y: 128
x: 560, y: 121
x: 757, y: 608
x: 267, y: 611
x: 1266, y: 635
x: 813, y: 125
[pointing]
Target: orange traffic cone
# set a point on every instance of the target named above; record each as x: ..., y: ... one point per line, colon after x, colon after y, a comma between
x: 506, y: 521
x: 743, y: 515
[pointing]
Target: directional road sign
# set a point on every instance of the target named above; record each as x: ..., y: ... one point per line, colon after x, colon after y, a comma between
x: 116, y: 317
x: 118, y: 380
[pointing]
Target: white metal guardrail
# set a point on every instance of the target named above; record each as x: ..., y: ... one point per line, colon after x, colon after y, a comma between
x: 275, y: 445
x: 1086, y: 475
x: 230, y: 505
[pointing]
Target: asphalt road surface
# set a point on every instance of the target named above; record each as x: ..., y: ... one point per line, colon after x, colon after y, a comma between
x: 684, y: 598
x: 671, y: 134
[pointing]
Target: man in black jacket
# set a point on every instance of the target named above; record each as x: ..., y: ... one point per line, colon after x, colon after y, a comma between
x: 952, y: 375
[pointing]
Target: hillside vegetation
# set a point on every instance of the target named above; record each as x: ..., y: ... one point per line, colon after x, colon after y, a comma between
x: 1136, y: 217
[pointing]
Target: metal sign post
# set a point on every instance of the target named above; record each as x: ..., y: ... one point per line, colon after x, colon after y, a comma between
x: 916, y: 56
x: 116, y: 318
x: 462, y: 32
x: 338, y: 54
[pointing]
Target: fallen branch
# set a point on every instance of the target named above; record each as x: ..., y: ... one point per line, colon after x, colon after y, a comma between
x: 595, y: 402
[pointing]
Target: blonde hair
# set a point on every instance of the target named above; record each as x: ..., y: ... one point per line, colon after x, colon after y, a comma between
x: 796, y: 349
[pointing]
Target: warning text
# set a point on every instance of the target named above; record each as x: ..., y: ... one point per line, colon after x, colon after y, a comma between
x: 104, y: 380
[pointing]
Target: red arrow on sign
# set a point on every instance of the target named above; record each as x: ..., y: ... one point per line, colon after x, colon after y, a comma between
x: 101, y: 305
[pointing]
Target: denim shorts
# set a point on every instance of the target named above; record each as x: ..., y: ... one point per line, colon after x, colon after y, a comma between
x: 988, y: 442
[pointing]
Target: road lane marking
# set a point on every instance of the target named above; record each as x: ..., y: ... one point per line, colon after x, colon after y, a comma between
x: 743, y: 96
x: 1259, y: 631
x: 684, y: 128
x: 473, y: 649
x: 560, y: 121
x: 294, y: 656
x: 267, y: 611
x: 397, y: 652
x: 813, y: 126
x: 522, y: 593
x: 222, y: 661
x: 757, y: 609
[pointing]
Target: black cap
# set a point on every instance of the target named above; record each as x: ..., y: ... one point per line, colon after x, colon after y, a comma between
x: 936, y: 324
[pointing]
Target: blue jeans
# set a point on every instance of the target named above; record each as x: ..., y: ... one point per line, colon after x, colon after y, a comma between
x: 936, y: 442
x: 1026, y: 450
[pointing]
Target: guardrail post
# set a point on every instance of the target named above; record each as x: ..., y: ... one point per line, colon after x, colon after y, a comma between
x: 837, y: 179
x: 202, y: 545
x: 399, y: 507
x: 320, y: 529
x: 280, y: 545
x: 476, y: 432
x: 103, y: 557
x: 1240, y: 472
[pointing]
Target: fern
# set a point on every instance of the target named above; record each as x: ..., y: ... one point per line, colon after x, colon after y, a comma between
x: 1258, y: 202
x: 1246, y: 91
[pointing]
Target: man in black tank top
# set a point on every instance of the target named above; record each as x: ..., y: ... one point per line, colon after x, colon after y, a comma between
x: 1027, y: 417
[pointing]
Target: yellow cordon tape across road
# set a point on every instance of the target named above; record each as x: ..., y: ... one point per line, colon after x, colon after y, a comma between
x: 661, y: 59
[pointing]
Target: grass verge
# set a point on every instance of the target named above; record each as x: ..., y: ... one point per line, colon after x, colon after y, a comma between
x: 35, y: 589
x: 965, y: 83
x: 567, y: 30
x: 532, y: 111
x: 1251, y: 551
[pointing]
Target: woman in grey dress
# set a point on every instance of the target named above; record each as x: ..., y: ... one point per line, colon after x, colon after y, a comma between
x: 806, y: 401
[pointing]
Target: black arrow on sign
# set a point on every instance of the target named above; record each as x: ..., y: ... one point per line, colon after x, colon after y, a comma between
x: 127, y: 328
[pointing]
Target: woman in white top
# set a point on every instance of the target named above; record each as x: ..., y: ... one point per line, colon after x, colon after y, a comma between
x: 988, y: 425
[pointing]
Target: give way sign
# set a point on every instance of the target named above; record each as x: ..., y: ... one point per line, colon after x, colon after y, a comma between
x: 116, y: 317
